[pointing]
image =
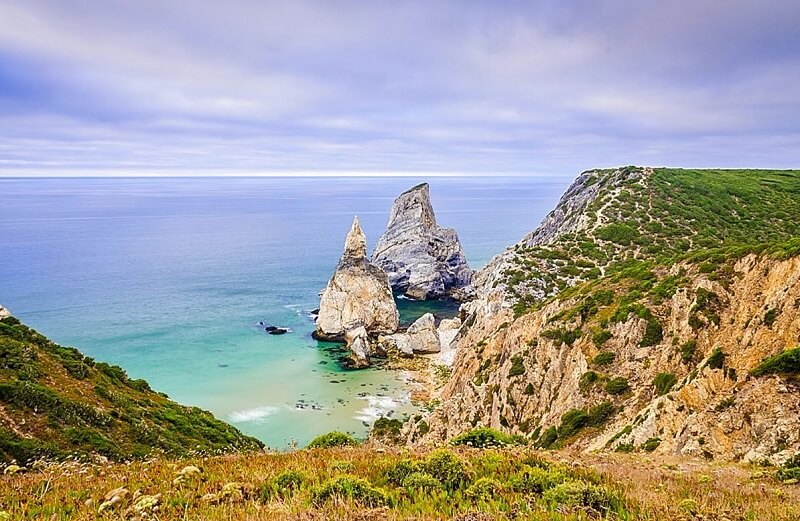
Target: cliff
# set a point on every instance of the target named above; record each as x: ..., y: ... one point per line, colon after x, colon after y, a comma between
x: 639, y: 317
x: 56, y: 403
x: 422, y: 260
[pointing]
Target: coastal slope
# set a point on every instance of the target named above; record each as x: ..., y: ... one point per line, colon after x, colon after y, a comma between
x: 55, y: 403
x: 653, y: 310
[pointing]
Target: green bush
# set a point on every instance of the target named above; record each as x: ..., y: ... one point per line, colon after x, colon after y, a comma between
x: 332, y: 439
x: 535, y: 480
x: 663, y: 382
x: 400, y: 470
x: 770, y: 316
x: 651, y: 444
x: 572, y: 421
x: 290, y: 480
x: 529, y: 390
x: 601, y: 337
x: 548, y: 438
x: 580, y: 494
x: 618, y: 233
x: 616, y: 386
x: 787, y: 363
x: 588, y: 379
x: 447, y: 468
x: 604, y: 358
x: 716, y: 359
x: 561, y: 336
x: 517, y: 367
x: 421, y: 481
x: 387, y: 428
x: 484, y: 488
x: 352, y: 488
x: 600, y: 413
x: 482, y: 437
x: 688, y: 350
x: 653, y: 333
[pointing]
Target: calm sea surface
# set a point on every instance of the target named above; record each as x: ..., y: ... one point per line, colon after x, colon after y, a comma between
x: 169, y: 278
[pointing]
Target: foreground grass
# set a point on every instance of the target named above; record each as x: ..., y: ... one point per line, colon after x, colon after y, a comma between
x: 367, y: 483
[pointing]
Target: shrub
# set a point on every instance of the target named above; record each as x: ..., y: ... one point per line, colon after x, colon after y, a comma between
x: 517, y: 367
x: 622, y: 234
x: 528, y: 389
x: 770, y: 316
x: 289, y: 480
x: 482, y: 438
x: 342, y: 467
x: 447, y: 468
x: 688, y: 350
x: 617, y: 385
x: 653, y: 333
x: 716, y: 359
x: 399, y: 471
x: 604, y: 358
x: 350, y: 487
x: 651, y: 444
x: 588, y: 379
x: 600, y: 413
x: 387, y: 428
x: 787, y: 362
x: 561, y: 336
x: 548, y: 438
x: 332, y: 439
x: 572, y: 421
x: 663, y: 382
x: 601, y: 337
x: 579, y: 494
x: 421, y: 481
x: 484, y: 488
x: 535, y: 480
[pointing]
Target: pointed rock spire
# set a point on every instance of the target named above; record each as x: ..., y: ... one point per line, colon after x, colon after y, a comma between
x: 358, y: 295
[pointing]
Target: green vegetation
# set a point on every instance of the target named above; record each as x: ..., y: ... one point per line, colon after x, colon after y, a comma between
x: 786, y: 363
x: 332, y: 439
x: 483, y: 437
x: 688, y: 350
x: 562, y: 336
x: 616, y: 386
x: 387, y: 428
x: 573, y: 422
x: 716, y: 360
x: 651, y: 444
x: 604, y: 358
x: 517, y: 367
x: 63, y: 403
x: 664, y: 382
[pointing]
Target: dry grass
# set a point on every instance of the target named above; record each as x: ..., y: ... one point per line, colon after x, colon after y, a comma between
x: 645, y: 487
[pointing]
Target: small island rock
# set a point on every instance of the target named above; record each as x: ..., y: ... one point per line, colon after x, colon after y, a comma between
x: 423, y: 260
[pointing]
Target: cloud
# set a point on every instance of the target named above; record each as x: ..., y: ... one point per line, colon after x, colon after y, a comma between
x: 470, y: 86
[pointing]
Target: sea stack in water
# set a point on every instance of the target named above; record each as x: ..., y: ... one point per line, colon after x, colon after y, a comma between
x: 423, y: 260
x: 357, y: 296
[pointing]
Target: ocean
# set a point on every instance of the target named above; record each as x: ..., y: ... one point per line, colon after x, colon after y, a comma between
x: 170, y: 277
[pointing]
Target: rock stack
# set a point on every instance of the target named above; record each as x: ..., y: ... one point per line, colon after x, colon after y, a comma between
x: 357, y: 303
x: 423, y: 260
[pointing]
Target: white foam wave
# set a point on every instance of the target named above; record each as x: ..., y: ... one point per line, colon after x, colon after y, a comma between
x: 377, y: 406
x: 255, y: 415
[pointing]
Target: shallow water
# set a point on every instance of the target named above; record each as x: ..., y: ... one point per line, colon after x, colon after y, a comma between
x: 169, y: 278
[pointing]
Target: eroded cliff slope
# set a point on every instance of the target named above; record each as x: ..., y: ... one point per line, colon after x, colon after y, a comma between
x: 639, y: 316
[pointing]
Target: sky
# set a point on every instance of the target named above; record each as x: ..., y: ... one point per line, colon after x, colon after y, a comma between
x: 192, y: 87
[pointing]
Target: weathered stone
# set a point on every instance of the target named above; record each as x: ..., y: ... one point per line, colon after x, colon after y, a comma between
x: 423, y: 260
x: 358, y: 294
x: 4, y: 313
x: 358, y: 344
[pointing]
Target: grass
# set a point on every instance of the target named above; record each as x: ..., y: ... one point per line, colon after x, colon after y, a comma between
x: 785, y: 363
x: 364, y: 483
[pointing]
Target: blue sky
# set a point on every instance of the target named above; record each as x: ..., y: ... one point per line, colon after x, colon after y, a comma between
x: 475, y: 87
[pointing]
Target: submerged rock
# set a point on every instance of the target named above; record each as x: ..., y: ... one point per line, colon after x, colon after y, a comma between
x: 423, y: 260
x: 357, y: 295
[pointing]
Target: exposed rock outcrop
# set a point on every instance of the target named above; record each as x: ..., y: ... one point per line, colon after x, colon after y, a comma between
x: 4, y: 313
x: 359, y: 345
x: 357, y: 297
x: 678, y: 343
x: 423, y: 260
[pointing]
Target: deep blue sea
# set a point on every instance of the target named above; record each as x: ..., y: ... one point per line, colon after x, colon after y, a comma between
x: 169, y: 277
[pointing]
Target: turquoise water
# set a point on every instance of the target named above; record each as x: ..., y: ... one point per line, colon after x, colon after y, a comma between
x: 169, y: 278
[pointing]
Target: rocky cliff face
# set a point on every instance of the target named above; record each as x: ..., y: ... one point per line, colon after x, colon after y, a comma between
x: 423, y: 260
x: 358, y: 295
x: 4, y: 313
x: 581, y: 335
